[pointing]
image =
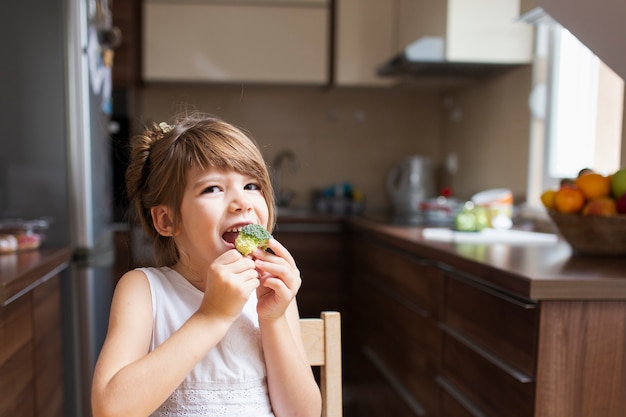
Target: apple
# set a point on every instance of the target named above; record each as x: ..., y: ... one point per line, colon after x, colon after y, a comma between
x: 618, y: 183
x: 621, y: 204
x: 603, y: 206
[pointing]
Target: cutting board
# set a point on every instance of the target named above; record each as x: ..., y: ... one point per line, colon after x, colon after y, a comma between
x: 488, y: 236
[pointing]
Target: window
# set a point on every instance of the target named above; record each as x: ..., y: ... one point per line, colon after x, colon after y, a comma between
x: 576, y: 111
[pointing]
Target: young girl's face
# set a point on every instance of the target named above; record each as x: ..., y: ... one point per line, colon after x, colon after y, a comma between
x: 215, y: 202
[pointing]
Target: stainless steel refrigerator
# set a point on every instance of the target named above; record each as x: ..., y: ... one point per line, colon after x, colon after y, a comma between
x: 55, y: 159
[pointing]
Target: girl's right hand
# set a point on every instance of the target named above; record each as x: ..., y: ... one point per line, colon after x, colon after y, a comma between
x: 230, y: 281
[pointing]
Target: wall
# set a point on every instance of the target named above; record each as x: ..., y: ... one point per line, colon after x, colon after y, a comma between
x: 487, y: 125
x: 338, y: 135
x: 356, y: 135
x: 598, y: 24
x: 623, y: 151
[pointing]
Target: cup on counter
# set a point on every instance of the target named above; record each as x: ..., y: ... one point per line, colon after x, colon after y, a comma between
x: 499, y: 205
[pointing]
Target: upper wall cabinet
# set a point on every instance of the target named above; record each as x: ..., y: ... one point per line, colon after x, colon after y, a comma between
x: 364, y: 39
x: 459, y: 38
x: 260, y: 41
x: 486, y: 31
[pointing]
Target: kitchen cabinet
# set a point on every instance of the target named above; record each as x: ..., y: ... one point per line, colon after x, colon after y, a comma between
x: 372, y: 34
x: 452, y: 329
x: 16, y: 350
x: 126, y: 63
x: 486, y: 31
x: 237, y: 41
x: 318, y: 247
x: 364, y: 40
x: 31, y: 367
x: 395, y: 340
x: 489, y: 349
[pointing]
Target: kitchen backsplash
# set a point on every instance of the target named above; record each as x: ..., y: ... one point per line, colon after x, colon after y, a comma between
x: 356, y: 135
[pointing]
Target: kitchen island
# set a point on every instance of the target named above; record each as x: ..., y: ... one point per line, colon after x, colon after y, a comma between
x: 460, y: 329
x: 31, y: 369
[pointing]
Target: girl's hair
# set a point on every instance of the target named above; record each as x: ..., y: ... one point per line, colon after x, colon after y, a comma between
x: 163, y: 154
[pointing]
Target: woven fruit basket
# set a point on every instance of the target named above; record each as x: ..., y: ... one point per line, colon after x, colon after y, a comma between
x: 592, y: 235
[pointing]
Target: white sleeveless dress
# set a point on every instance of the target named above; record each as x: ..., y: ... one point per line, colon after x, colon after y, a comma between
x: 231, y: 379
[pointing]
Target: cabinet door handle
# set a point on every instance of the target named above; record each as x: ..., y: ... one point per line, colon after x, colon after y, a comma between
x: 38, y: 282
x: 481, y: 285
x: 488, y: 356
x: 458, y: 395
x: 396, y: 385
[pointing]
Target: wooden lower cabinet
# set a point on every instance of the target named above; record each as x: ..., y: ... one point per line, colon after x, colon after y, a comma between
x: 581, y: 367
x: 452, y: 406
x: 48, y: 348
x: 436, y: 343
x: 16, y: 366
x: 373, y: 395
x: 489, y: 347
x: 483, y: 384
x: 319, y: 251
x: 393, y: 331
x: 31, y: 369
x: 426, y: 339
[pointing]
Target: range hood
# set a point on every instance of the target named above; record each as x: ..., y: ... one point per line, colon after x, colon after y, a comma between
x: 460, y: 38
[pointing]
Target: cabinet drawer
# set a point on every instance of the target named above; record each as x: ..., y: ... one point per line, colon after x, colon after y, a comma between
x: 452, y: 407
x: 480, y: 382
x: 401, y: 344
x: 504, y: 326
x: 372, y: 395
x: 415, y: 280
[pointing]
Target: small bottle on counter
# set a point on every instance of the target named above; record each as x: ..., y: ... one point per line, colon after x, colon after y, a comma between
x: 441, y: 210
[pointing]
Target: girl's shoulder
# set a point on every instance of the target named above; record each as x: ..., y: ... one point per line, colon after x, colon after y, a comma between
x: 133, y: 282
x: 157, y: 273
x: 132, y: 295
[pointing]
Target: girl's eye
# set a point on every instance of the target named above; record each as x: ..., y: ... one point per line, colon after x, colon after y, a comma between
x: 211, y: 189
x: 252, y: 187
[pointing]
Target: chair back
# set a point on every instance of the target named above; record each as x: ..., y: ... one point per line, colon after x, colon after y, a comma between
x: 322, y: 341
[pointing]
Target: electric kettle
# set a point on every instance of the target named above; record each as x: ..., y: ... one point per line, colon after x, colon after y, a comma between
x: 410, y: 182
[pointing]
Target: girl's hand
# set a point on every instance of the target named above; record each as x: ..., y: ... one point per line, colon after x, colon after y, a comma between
x: 279, y: 278
x: 230, y: 280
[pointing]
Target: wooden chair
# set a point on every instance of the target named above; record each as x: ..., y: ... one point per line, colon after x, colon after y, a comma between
x: 322, y: 341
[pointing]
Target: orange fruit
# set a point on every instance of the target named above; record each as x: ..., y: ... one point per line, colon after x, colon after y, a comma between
x: 603, y: 206
x: 547, y: 198
x: 594, y: 185
x: 569, y: 200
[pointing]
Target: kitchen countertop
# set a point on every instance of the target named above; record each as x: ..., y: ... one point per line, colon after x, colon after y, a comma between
x: 22, y: 271
x: 536, y: 271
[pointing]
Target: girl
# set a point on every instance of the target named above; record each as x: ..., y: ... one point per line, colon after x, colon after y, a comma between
x: 207, y: 332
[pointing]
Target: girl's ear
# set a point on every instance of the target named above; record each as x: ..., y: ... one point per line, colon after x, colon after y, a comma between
x: 162, y: 220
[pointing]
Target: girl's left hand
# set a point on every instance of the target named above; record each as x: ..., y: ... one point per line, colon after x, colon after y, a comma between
x: 280, y: 280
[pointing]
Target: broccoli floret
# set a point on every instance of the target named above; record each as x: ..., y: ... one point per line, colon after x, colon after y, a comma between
x: 252, y: 236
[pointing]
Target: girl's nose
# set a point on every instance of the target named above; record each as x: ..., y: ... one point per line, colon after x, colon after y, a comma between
x: 240, y: 201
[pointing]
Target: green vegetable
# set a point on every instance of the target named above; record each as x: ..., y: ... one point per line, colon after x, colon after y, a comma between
x: 252, y: 236
x: 472, y: 218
